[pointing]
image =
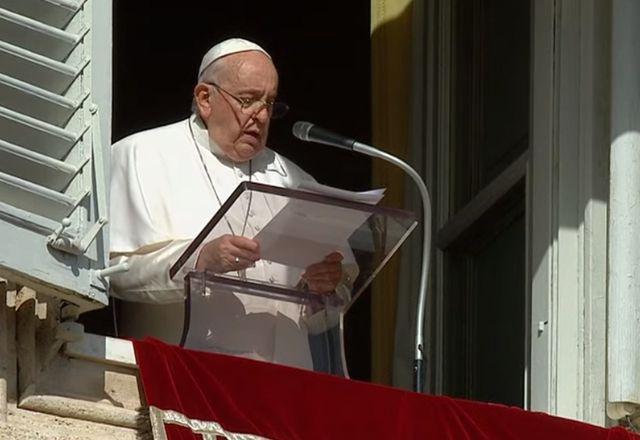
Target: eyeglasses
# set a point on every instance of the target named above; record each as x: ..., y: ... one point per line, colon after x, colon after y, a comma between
x: 251, y: 106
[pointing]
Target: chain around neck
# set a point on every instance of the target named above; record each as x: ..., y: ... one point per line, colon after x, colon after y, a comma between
x: 213, y: 187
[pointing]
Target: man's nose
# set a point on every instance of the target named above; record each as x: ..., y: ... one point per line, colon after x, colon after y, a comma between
x: 262, y: 114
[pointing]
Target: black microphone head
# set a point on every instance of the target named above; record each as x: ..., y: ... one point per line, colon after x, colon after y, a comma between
x: 301, y: 130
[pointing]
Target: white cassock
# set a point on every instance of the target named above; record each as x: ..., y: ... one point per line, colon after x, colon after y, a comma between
x: 161, y: 198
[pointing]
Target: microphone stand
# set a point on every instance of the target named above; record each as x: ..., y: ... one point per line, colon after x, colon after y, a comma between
x: 309, y: 132
x: 418, y: 363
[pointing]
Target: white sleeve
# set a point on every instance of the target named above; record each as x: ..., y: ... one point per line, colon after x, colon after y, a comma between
x: 131, y: 224
x: 147, y: 279
x: 135, y: 238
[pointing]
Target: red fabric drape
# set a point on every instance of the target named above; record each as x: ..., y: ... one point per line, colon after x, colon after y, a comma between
x: 279, y: 402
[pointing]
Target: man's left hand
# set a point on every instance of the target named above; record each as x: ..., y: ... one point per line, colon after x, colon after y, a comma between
x: 324, y: 277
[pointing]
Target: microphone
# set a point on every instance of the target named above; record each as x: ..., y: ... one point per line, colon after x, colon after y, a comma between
x: 306, y: 131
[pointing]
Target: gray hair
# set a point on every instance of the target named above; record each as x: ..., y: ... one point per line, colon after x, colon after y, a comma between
x: 212, y: 73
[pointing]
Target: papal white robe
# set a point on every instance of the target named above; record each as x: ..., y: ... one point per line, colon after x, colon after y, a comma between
x: 161, y: 198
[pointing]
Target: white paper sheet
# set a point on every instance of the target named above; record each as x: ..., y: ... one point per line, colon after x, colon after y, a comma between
x: 303, y: 233
x: 372, y: 197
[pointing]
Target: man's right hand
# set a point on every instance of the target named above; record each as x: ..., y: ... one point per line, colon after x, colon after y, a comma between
x: 227, y: 253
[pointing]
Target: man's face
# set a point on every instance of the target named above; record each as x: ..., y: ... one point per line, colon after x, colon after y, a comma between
x: 241, y: 133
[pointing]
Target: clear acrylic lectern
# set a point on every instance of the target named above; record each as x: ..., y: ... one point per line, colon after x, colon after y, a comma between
x: 267, y: 311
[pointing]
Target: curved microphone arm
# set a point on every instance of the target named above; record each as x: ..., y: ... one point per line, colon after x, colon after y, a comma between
x: 418, y: 364
x: 309, y: 132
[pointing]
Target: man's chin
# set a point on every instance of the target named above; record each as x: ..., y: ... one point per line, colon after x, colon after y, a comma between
x: 247, y: 151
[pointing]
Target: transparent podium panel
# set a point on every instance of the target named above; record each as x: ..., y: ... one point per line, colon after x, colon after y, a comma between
x: 266, y: 323
x: 268, y: 311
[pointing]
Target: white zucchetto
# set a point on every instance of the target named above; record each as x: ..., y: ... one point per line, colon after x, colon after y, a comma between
x: 227, y: 47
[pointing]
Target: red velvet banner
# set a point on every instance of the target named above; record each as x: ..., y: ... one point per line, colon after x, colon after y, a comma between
x: 219, y: 394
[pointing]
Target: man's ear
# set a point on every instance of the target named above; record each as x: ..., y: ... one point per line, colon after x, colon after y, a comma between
x: 201, y: 95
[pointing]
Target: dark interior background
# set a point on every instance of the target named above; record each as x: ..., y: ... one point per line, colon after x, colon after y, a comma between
x: 322, y: 52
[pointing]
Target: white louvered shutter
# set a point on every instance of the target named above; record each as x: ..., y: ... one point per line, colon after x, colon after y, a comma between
x: 53, y: 159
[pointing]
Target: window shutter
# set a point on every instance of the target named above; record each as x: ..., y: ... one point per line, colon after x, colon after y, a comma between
x: 53, y: 159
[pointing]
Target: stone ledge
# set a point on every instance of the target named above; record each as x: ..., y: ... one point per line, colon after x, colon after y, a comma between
x: 103, y: 349
x: 28, y: 425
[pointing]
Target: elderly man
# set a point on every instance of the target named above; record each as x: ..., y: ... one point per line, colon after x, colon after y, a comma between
x: 168, y: 182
